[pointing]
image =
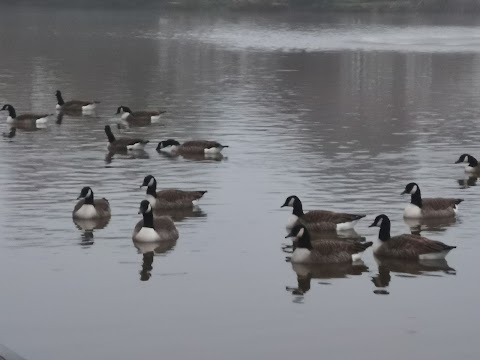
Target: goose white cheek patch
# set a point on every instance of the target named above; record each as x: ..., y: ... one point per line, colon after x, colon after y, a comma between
x: 150, y: 183
x: 300, y: 233
x: 290, y: 203
x: 414, y: 189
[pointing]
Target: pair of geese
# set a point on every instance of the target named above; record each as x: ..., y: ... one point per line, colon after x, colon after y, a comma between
x: 405, y: 246
x: 151, y: 228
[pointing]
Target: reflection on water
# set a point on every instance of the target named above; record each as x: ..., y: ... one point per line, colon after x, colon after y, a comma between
x: 467, y: 182
x: 148, y: 251
x: 405, y: 269
x: 307, y: 272
x: 88, y: 226
x: 193, y: 157
x: 127, y: 154
x: 179, y: 215
x: 433, y: 224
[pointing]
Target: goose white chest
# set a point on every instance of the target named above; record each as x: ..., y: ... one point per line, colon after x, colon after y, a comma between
x: 87, y: 211
x: 291, y: 221
x: 300, y: 255
x: 412, y: 211
x: 147, y: 234
x: 151, y: 199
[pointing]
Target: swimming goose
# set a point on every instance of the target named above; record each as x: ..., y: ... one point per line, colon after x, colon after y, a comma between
x: 319, y: 220
x: 191, y: 147
x: 472, y: 166
x: 123, y: 144
x: 129, y: 115
x: 429, y: 207
x: 13, y: 118
x: 88, y: 208
x: 325, y: 251
x: 406, y: 246
x: 170, y: 198
x: 152, y: 229
x: 74, y: 105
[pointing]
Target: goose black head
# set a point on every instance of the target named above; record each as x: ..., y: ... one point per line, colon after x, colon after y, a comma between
x: 466, y: 158
x: 149, y: 181
x: 167, y: 143
x: 58, y: 93
x: 411, y: 189
x: 145, y: 207
x: 123, y: 109
x: 290, y: 201
x: 7, y: 107
x: 86, y: 194
x: 379, y: 220
x: 383, y: 222
x: 297, y: 231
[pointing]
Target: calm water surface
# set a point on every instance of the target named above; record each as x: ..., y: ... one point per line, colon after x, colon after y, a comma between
x: 342, y: 111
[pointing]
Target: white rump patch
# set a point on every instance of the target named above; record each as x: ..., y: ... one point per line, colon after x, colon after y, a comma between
x: 213, y: 150
x: 87, y: 211
x: 300, y: 255
x: 136, y: 146
x: 434, y: 256
x: 456, y: 208
x: 147, y: 234
x: 155, y: 117
x: 89, y: 107
x: 42, y: 120
x: 356, y: 257
x: 346, y: 225
x: 412, y: 211
x: 195, y: 202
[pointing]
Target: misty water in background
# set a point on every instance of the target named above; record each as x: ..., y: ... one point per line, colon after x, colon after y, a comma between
x: 342, y: 111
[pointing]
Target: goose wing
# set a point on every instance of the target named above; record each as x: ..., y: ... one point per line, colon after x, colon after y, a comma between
x: 323, y: 216
x: 102, y: 206
x: 439, y: 203
x: 179, y: 196
x: 332, y: 247
x: 30, y: 117
x: 411, y: 246
x: 199, y: 145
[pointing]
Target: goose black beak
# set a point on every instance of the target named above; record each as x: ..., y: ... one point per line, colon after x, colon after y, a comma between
x: 141, y: 186
x: 403, y: 192
x: 289, y: 236
x: 283, y: 206
x: 372, y: 225
x: 457, y: 162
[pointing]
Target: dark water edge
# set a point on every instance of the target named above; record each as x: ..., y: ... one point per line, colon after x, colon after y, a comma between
x: 405, y: 6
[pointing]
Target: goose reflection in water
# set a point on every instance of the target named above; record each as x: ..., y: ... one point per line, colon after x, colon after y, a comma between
x: 307, y: 272
x: 179, y: 215
x: 406, y: 269
x: 350, y: 234
x: 467, y: 182
x: 435, y: 224
x: 88, y: 226
x: 149, y: 250
x: 194, y: 157
x: 126, y: 154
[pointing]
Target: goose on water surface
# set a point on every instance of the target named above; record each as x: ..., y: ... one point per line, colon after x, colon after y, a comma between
x: 191, y: 147
x: 325, y: 251
x: 74, y: 105
x: 319, y: 220
x: 89, y: 208
x: 129, y: 115
x: 406, y: 246
x: 428, y: 207
x: 472, y: 166
x: 124, y: 143
x: 153, y: 229
x: 18, y: 120
x: 170, y: 198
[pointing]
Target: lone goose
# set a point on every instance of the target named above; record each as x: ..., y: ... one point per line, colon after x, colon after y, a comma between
x: 472, y: 166
x: 325, y: 251
x: 319, y: 220
x: 88, y: 208
x: 191, y: 147
x: 406, y: 246
x: 170, y: 198
x: 123, y: 144
x: 429, y: 207
x: 128, y: 115
x: 12, y: 117
x: 152, y: 229
x: 74, y: 105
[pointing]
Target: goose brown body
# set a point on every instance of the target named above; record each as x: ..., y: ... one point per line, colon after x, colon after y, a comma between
x: 123, y: 143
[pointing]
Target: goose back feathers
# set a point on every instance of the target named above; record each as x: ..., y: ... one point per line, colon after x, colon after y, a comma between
x: 406, y: 246
x: 124, y: 143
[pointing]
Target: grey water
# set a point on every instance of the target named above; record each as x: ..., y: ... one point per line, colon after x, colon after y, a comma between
x: 341, y: 110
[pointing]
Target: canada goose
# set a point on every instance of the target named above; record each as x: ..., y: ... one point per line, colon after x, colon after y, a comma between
x: 11, y: 133
x: 406, y: 246
x: 429, y: 207
x: 472, y: 166
x: 325, y: 251
x: 191, y: 147
x: 12, y: 117
x: 319, y: 220
x: 152, y: 229
x: 170, y: 198
x: 127, y: 114
x: 123, y: 144
x: 74, y: 105
x: 88, y: 208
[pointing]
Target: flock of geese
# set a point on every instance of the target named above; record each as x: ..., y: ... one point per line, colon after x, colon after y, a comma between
x: 155, y: 226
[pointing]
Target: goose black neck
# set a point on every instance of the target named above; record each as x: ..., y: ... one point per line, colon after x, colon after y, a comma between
x: 110, y: 136
x: 148, y: 220
x: 472, y: 161
x: 152, y: 190
x: 416, y: 198
x: 11, y: 112
x: 89, y: 199
x: 304, y: 241
x: 59, y: 99
x: 297, y: 208
x: 384, y: 233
